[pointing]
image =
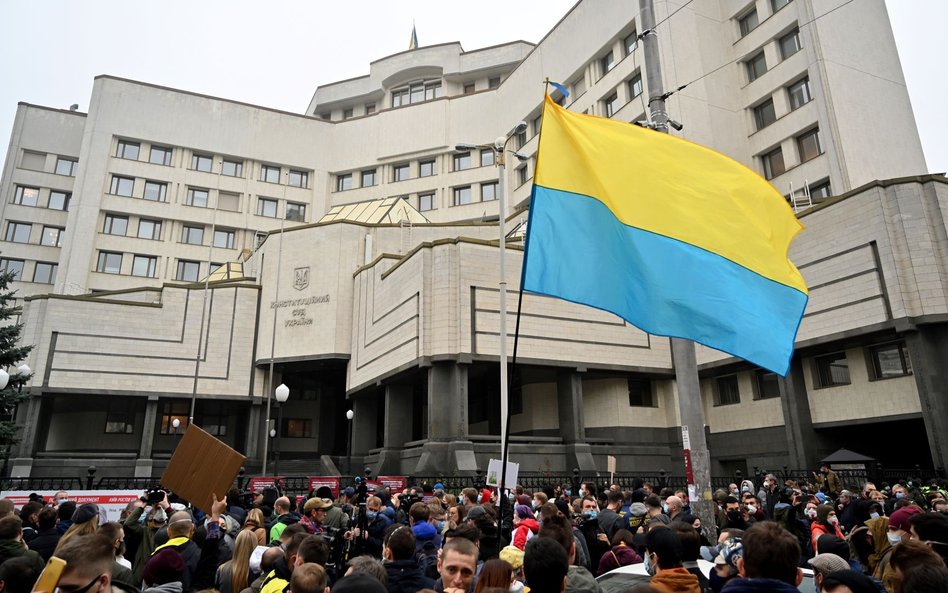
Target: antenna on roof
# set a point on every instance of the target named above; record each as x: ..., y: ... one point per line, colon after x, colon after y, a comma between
x: 413, y: 43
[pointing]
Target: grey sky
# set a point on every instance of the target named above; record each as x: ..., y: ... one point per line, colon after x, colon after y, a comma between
x: 276, y: 53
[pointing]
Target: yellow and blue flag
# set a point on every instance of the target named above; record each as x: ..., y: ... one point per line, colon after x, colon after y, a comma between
x: 675, y: 238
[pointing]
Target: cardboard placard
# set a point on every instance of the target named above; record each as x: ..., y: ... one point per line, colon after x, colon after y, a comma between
x: 494, y: 467
x: 201, y: 467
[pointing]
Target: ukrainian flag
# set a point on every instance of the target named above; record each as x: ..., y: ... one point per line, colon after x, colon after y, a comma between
x: 673, y: 237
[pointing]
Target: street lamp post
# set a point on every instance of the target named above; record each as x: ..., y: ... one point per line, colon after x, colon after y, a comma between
x: 349, y: 416
x: 499, y: 147
x: 282, y: 394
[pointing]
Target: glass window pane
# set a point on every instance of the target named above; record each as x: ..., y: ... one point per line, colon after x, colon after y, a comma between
x: 122, y: 186
x: 764, y: 114
x: 756, y: 66
x: 197, y: 197
x: 45, y: 273
x: 232, y: 168
x: 790, y: 44
x: 462, y: 161
x: 270, y: 174
x: 224, y: 239
x: 127, y: 150
x: 749, y: 22
x: 266, y: 207
x: 488, y: 192
x: 65, y: 167
x: 18, y: 232
x: 799, y: 93
x: 58, y: 200
x: 296, y: 212
x: 160, y: 155
x: 12, y: 266
x: 149, y: 229
x: 26, y: 196
x: 344, y: 182
x: 52, y: 236
x: 462, y: 195
x: 426, y: 202
x: 426, y: 168
x: 487, y: 157
x: 155, y: 191
x: 808, y: 145
x: 368, y: 178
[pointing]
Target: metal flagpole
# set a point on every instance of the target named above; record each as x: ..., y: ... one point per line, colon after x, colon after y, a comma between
x: 691, y: 409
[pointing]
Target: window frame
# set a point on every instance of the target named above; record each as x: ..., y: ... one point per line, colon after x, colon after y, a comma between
x: 804, y: 144
x: 344, y: 182
x: 719, y: 394
x: 162, y: 190
x: 401, y: 172
x: 267, y: 171
x: 52, y: 268
x: 752, y: 63
x: 421, y: 168
x: 767, y: 162
x: 760, y: 111
x: 171, y: 409
x: 15, y: 228
x: 124, y: 147
x: 607, y: 63
x: 302, y: 178
x: 458, y: 192
x: 60, y: 231
x: 73, y: 165
x: 167, y: 153
x: 237, y: 168
x: 118, y: 181
x: 803, y: 85
x: 300, y: 215
x: 197, y: 162
x: 495, y: 187
x: 820, y: 187
x: 647, y: 399
x: 120, y: 411
x: 17, y: 264
x: 192, y: 234
x: 263, y: 206
x: 223, y: 197
x: 155, y: 229
x: 760, y: 391
x: 192, y: 193
x: 229, y: 238
x: 151, y: 265
x: 21, y: 190
x: 183, y: 265
x: 792, y: 35
x: 460, y: 158
x: 368, y: 174
x: 630, y: 49
x: 823, y: 370
x: 744, y: 20
x: 102, y: 265
x: 611, y: 104
x: 66, y: 197
x: 487, y: 152
x: 304, y: 430
x: 874, y: 363
x: 636, y: 83
x: 433, y: 203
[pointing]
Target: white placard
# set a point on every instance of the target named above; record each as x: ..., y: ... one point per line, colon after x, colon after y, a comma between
x: 494, y: 468
x: 685, y: 438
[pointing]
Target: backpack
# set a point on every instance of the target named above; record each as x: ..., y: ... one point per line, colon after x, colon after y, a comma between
x: 427, y: 560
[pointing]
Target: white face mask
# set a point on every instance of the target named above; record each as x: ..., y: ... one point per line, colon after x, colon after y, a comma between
x: 894, y: 538
x: 811, y: 513
x: 834, y: 520
x: 752, y: 509
x: 874, y: 515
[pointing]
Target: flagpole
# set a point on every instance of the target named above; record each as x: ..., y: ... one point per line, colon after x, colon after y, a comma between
x: 691, y: 408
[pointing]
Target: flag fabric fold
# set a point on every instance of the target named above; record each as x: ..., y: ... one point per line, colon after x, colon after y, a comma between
x: 673, y: 237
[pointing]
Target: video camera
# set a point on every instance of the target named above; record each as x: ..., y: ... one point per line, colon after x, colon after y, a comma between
x: 154, y: 496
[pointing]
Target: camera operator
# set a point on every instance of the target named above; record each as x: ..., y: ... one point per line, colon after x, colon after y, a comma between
x: 314, y: 514
x: 374, y: 532
x: 150, y: 515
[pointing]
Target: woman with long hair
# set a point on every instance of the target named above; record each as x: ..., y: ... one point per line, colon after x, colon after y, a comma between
x: 456, y: 515
x: 496, y: 573
x: 233, y: 576
x: 85, y: 521
x: 256, y: 525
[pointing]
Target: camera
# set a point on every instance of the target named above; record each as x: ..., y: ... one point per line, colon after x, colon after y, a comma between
x: 154, y: 496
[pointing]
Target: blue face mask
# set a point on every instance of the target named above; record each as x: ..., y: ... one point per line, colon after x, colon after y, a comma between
x: 569, y: 493
x: 479, y: 497
x: 900, y: 494
x: 371, y: 514
x: 590, y: 514
x: 439, y: 525
x: 648, y: 565
x: 665, y: 508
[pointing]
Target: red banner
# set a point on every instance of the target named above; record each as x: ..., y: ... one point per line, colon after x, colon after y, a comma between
x: 260, y: 483
x: 394, y: 483
x: 316, y: 482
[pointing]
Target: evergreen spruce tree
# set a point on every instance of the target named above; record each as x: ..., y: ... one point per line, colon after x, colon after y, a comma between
x: 11, y: 353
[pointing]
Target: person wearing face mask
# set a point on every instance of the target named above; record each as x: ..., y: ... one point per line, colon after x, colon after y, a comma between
x: 899, y: 524
x: 596, y: 541
x: 846, y: 511
x: 376, y: 524
x: 735, y: 517
x: 826, y: 522
x: 663, y: 551
x: 878, y: 560
x: 121, y: 568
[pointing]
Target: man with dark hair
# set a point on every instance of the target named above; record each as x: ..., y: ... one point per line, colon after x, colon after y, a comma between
x: 278, y: 579
x: 926, y: 578
x: 427, y: 538
x: 770, y: 561
x: 734, y: 515
x: 579, y: 579
x: 312, y: 549
x: 932, y: 530
x: 11, y: 541
x: 88, y: 560
x: 663, y: 552
x: 609, y: 519
x: 653, y: 509
x: 457, y: 565
x: 398, y: 554
x: 690, y: 550
x: 309, y: 578
x: 17, y: 575
x: 28, y: 514
x: 47, y: 537
x: 116, y: 535
x: 545, y: 565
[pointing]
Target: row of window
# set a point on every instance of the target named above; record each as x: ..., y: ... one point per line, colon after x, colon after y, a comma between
x: 808, y: 147
x: 614, y: 102
x: 43, y: 272
x: 162, y: 155
x: 36, y: 161
x: 118, y: 224
x: 21, y: 232
x: 403, y: 171
x: 789, y: 44
x: 750, y: 20
x: 798, y: 95
x: 146, y: 266
x: 210, y: 415
x: 30, y: 196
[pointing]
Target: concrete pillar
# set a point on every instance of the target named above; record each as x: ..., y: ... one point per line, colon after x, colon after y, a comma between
x: 448, y: 448
x: 928, y: 351
x: 254, y: 430
x: 397, y: 421
x: 331, y: 420
x: 144, y: 464
x: 364, y: 424
x: 569, y: 402
x: 28, y: 416
x: 798, y: 424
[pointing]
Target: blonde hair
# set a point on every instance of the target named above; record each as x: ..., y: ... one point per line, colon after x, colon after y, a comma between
x: 77, y: 529
x: 244, y: 546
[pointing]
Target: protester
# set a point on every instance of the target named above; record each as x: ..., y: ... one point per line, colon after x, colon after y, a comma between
x: 622, y: 553
x: 545, y: 565
x: 121, y: 568
x: 663, y: 552
x: 457, y: 565
x: 769, y: 562
x: 233, y: 576
x: 17, y: 575
x: 495, y: 574
x: 309, y: 578
x: 404, y: 573
x: 47, y: 537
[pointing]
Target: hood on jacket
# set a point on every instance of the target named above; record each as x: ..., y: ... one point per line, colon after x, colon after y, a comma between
x: 289, y: 518
x: 674, y: 580
x: 172, y: 587
x: 424, y: 531
x: 406, y: 575
x: 531, y: 524
x: 739, y: 585
x: 638, y: 509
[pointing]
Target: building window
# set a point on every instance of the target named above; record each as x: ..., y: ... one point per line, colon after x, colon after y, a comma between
x: 756, y: 67
x: 831, y: 370
x: 462, y: 161
x: 611, y: 104
x: 12, y: 266
x: 201, y: 162
x: 493, y: 82
x: 417, y: 92
x: 821, y: 190
x: 579, y: 86
x: 160, y: 155
x: 487, y: 157
x: 188, y: 271
x: 299, y: 178
x: 630, y: 43
x: 368, y: 178
x: 171, y: 411
x: 344, y: 182
x: 521, y: 139
x: 462, y: 195
x: 296, y: 212
x: 213, y: 418
x: 488, y: 192
x: 59, y: 200
x: 426, y: 202
x: 127, y: 150
x: 18, y: 232
x: 196, y: 197
x: 522, y: 175
x: 400, y: 172
x: 635, y: 86
x: 144, y: 266
x: 269, y: 173
x: 426, y: 168
x: 266, y: 207
x: 727, y: 391
x: 640, y: 394
x: 34, y: 161
x: 45, y: 272
x: 228, y: 201
x: 122, y: 186
x: 155, y: 191
x: 773, y: 163
x: 790, y: 44
x: 109, y: 263
x: 808, y: 145
x: 193, y: 235
x: 224, y: 238
x: 120, y: 418
x: 889, y: 360
x: 52, y: 236
x: 369, y: 108
x: 66, y: 167
x: 764, y: 114
x: 347, y: 113
x: 468, y: 88
x: 766, y: 385
x: 799, y: 93
x: 232, y: 168
x: 149, y: 229
x: 537, y: 121
x: 26, y: 196
x: 607, y: 62
x: 326, y: 116
x: 748, y: 22
x: 776, y: 5
x: 297, y: 428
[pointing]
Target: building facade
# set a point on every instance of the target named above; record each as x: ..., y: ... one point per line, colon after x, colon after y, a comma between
x: 364, y: 252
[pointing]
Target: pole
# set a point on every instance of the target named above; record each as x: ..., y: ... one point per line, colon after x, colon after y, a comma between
x: 276, y: 443
x: 348, y: 445
x: 502, y: 224
x: 691, y: 409
x: 273, y: 333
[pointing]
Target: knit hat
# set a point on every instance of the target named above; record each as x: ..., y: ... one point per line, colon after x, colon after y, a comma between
x: 563, y: 507
x: 638, y: 509
x: 438, y: 486
x: 165, y: 566
x: 830, y: 544
x: 523, y: 499
x: 638, y: 495
x: 512, y: 556
x: 523, y: 511
x: 827, y: 563
x: 317, y: 504
x: 822, y: 512
x: 731, y: 550
x: 857, y: 582
x: 898, y: 519
x: 476, y: 512
x: 820, y: 497
x: 324, y: 492
x: 85, y: 512
x: 359, y: 583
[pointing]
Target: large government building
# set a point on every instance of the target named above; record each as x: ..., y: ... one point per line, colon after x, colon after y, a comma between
x: 169, y: 244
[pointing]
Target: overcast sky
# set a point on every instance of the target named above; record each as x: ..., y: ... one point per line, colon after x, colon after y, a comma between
x: 276, y: 53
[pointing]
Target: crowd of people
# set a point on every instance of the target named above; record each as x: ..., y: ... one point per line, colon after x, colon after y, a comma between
x: 558, y: 538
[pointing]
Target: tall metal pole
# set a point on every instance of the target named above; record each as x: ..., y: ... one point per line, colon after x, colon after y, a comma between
x: 273, y: 333
x: 276, y: 443
x: 691, y: 409
x: 502, y: 224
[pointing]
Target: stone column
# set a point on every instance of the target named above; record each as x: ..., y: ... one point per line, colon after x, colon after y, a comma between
x: 398, y: 427
x: 798, y: 424
x: 928, y: 351
x: 448, y: 448
x: 364, y: 424
x: 569, y: 403
x: 144, y: 464
x: 254, y: 430
x: 21, y: 465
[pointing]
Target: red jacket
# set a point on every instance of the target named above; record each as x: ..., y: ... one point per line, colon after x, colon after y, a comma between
x: 522, y: 533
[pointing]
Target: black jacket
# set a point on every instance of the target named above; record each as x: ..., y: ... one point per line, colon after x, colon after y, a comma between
x: 404, y: 576
x: 45, y: 542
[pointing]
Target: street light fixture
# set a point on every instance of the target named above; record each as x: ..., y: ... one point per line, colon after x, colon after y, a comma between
x: 4, y: 379
x: 349, y: 416
x: 499, y: 147
x: 175, y: 424
x: 282, y: 393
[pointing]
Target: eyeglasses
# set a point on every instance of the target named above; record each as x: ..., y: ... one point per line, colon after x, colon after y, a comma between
x: 79, y: 590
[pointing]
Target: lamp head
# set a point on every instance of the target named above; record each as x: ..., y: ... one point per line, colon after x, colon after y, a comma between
x: 464, y: 147
x: 175, y: 424
x: 4, y: 379
x: 521, y: 127
x: 282, y: 393
x: 521, y: 157
x: 273, y: 432
x: 23, y: 370
x: 349, y: 414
